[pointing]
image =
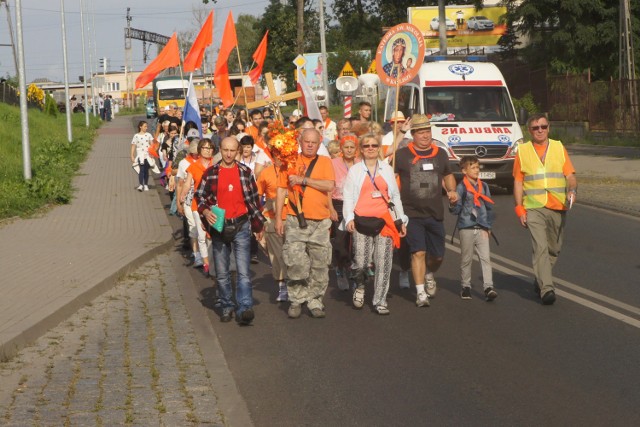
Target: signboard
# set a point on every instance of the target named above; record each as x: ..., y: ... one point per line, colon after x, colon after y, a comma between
x: 314, y: 66
x: 465, y: 25
x: 347, y: 71
x: 372, y: 68
x: 400, y: 55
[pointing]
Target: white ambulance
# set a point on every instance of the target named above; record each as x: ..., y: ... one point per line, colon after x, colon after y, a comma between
x: 471, y: 113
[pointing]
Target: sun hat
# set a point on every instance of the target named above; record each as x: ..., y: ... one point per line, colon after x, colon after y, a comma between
x: 397, y: 116
x: 420, y: 121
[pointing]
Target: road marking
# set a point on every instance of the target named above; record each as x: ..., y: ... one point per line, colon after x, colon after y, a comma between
x: 575, y: 298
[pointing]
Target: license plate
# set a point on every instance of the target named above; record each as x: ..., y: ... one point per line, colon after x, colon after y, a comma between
x: 487, y: 175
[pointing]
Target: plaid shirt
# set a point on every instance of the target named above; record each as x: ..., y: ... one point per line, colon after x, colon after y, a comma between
x: 207, y: 194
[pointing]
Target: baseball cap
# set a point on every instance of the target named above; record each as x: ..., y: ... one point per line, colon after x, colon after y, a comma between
x: 193, y: 133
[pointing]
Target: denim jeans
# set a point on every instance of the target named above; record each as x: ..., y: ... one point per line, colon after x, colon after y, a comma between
x: 221, y: 255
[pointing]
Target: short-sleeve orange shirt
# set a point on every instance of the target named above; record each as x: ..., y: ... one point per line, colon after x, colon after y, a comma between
x: 267, y: 184
x: 315, y: 203
x: 567, y: 169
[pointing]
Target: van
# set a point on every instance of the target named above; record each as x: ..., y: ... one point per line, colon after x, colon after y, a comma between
x: 471, y: 113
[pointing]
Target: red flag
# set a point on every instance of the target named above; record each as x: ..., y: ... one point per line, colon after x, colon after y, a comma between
x: 221, y: 75
x: 168, y: 57
x: 259, y: 56
x: 194, y: 58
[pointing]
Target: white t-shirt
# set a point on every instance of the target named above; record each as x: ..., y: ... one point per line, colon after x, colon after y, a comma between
x: 142, y: 143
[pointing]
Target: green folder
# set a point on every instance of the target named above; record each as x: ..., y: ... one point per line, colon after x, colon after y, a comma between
x: 219, y: 213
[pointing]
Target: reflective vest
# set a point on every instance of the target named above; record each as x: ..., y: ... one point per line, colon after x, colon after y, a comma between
x: 540, y: 179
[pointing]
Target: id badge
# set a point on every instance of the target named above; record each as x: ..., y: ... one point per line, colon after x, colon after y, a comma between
x: 427, y: 166
x: 375, y: 195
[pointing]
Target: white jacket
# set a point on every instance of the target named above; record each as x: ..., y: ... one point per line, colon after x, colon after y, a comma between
x: 353, y: 186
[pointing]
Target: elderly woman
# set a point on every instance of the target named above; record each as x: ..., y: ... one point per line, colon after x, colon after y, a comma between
x: 341, y: 241
x: 370, y: 195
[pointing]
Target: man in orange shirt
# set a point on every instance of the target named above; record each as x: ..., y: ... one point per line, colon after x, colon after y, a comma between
x: 544, y: 189
x: 307, y: 249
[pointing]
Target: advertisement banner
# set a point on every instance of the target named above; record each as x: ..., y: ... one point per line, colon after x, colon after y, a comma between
x: 465, y: 26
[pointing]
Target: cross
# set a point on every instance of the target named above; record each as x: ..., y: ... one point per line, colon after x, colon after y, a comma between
x: 273, y: 99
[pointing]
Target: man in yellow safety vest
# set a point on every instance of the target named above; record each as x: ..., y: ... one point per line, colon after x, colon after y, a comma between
x: 544, y: 190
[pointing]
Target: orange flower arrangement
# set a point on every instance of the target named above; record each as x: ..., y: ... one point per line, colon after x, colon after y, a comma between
x: 284, y: 145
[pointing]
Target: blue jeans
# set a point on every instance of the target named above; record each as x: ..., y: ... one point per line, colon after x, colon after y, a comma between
x: 143, y: 175
x: 221, y: 255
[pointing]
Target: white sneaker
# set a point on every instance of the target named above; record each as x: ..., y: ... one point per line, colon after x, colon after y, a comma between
x: 430, y: 287
x: 404, y: 280
x: 198, y: 261
x: 283, y: 294
x: 358, y: 298
x: 422, y: 300
x: 139, y: 188
x: 146, y: 188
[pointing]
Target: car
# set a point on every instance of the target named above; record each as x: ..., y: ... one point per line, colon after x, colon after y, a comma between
x: 479, y: 23
x: 435, y: 24
x: 151, y: 109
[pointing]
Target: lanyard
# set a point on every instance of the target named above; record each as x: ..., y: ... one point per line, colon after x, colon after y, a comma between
x: 372, y: 178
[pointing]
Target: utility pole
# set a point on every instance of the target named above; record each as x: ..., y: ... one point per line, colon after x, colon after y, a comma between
x: 66, y: 73
x: 127, y: 55
x: 442, y: 28
x: 13, y: 43
x: 627, y: 68
x: 84, y: 65
x: 24, y: 118
x: 323, y: 54
x: 91, y: 63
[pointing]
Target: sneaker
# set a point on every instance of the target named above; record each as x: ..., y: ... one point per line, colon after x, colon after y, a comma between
x: 343, y: 282
x: 422, y: 300
x: 205, y: 269
x: 198, y: 262
x: 548, y: 298
x: 358, y: 298
x: 430, y: 287
x: 226, y: 315
x: 318, y: 313
x: 490, y: 294
x: 246, y: 317
x: 404, y: 280
x: 139, y: 188
x: 283, y: 294
x: 295, y: 310
x: 146, y: 188
x: 382, y: 310
x: 466, y: 293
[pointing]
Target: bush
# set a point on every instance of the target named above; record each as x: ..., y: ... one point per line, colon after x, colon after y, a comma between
x: 50, y: 106
x: 527, y: 103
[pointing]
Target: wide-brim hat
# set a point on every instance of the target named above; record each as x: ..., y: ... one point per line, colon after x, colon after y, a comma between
x: 397, y: 117
x: 420, y: 121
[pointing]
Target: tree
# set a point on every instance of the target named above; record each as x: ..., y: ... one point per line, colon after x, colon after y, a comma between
x: 571, y: 35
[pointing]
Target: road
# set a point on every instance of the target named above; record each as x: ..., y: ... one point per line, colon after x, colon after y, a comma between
x: 457, y: 362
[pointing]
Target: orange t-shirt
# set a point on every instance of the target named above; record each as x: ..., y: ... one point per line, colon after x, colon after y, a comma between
x: 367, y: 205
x: 267, y: 184
x: 196, y: 169
x: 315, y: 203
x: 567, y: 169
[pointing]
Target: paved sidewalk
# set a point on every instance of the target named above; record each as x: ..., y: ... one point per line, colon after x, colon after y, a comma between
x: 130, y: 357
x: 51, y: 266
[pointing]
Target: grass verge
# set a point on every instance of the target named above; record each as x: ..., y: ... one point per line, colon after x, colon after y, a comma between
x: 54, y: 161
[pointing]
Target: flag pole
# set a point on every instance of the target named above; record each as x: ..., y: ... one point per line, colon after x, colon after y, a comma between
x: 242, y: 81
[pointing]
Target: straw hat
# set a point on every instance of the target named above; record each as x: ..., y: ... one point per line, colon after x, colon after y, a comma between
x: 420, y: 121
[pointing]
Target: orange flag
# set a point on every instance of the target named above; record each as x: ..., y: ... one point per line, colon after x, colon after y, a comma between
x: 259, y: 56
x: 168, y: 57
x: 194, y: 58
x: 221, y: 75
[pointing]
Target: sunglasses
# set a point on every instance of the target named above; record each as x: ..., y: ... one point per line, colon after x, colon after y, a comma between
x: 536, y: 128
x: 370, y: 146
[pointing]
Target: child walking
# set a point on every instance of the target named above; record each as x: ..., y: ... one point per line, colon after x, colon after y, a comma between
x: 475, y: 218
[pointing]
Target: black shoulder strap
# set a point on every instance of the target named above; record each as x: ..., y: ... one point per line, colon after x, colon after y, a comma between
x: 304, y: 187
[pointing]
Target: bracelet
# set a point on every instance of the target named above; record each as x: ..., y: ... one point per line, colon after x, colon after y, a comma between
x: 520, y: 210
x: 573, y: 190
x: 304, y: 181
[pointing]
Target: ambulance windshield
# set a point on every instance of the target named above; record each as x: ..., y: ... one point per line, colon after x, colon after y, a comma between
x: 468, y: 104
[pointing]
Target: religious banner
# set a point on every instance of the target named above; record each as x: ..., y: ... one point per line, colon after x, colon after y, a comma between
x: 400, y: 55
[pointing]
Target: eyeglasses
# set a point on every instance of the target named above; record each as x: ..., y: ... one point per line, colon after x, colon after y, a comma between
x: 207, y: 148
x: 370, y: 146
x: 537, y: 128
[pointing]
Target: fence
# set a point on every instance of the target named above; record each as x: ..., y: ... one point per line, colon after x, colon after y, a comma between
x: 9, y: 95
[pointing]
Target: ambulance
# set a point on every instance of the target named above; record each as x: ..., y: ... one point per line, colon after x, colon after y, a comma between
x: 471, y: 113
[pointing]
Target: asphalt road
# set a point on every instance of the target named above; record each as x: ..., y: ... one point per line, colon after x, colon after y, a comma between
x: 509, y: 362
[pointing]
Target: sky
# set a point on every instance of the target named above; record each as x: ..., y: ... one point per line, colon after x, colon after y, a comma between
x: 42, y: 35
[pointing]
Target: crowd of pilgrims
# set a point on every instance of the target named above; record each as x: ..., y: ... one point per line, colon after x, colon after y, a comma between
x: 181, y: 158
